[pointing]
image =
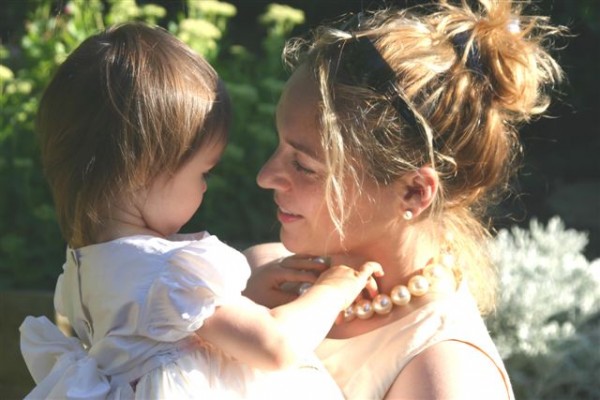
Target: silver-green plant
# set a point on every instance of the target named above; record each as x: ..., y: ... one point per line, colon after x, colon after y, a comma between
x: 547, y: 322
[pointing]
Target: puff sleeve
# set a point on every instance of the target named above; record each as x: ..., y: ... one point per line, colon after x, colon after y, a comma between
x: 197, y: 278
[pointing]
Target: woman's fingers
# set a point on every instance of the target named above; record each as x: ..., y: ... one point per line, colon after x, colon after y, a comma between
x: 299, y: 272
x: 295, y: 276
x: 296, y: 281
x: 292, y: 275
x: 307, y: 263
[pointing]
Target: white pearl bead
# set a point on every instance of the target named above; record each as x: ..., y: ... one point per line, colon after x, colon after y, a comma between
x: 447, y: 260
x: 349, y: 313
x: 440, y: 277
x: 364, y: 309
x: 400, y: 295
x: 434, y: 271
x: 449, y: 237
x: 437, y: 277
x: 382, y: 304
x: 418, y: 285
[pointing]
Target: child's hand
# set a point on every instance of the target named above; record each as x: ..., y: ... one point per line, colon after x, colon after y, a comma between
x: 350, y: 282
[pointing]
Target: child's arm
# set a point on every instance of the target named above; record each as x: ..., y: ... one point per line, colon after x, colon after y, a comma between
x: 278, y: 338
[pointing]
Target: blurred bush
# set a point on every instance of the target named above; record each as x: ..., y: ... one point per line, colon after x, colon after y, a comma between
x: 31, y: 248
x: 547, y: 324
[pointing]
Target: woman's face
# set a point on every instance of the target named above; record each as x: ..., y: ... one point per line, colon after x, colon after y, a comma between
x: 296, y: 173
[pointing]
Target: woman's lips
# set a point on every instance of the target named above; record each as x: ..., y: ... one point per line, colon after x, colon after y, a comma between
x: 285, y: 216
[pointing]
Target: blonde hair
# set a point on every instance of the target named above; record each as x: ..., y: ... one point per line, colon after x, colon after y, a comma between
x: 128, y: 104
x: 469, y: 76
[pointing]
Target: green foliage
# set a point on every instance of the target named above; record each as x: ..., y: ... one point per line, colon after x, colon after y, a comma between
x: 547, y: 325
x: 204, y: 26
x: 128, y: 10
x: 31, y: 248
x: 235, y: 208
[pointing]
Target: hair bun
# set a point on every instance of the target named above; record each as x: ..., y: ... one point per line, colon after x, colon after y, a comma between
x: 511, y: 49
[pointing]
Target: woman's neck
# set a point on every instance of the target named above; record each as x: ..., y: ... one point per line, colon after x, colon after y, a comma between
x: 401, y: 259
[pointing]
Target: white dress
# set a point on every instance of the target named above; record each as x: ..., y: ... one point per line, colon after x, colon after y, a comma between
x: 134, y: 304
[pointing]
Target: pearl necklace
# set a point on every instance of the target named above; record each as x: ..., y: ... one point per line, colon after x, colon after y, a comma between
x: 435, y: 277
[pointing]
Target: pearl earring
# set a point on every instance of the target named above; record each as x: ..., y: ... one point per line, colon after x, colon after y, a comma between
x: 408, y: 215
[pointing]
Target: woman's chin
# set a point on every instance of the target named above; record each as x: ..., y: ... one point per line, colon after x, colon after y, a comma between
x: 304, y: 245
x: 296, y: 244
x: 290, y: 244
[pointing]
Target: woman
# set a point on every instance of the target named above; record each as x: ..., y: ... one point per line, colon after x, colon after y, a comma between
x: 396, y: 130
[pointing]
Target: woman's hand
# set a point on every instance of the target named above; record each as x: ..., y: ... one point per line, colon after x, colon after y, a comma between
x: 277, y: 273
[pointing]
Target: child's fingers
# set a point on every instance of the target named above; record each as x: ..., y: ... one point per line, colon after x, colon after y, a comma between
x: 371, y: 268
x: 368, y: 270
x: 371, y: 287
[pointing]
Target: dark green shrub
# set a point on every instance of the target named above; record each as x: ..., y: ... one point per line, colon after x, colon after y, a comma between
x: 31, y: 248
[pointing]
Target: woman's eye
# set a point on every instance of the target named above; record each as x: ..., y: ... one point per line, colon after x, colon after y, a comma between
x: 300, y: 168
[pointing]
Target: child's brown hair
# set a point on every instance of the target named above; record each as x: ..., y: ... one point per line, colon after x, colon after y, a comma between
x: 129, y: 103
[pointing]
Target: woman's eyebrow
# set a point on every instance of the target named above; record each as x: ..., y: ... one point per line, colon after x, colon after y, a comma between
x: 304, y: 149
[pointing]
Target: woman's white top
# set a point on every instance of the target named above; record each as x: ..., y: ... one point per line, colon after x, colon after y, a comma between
x: 366, y: 366
x: 134, y: 304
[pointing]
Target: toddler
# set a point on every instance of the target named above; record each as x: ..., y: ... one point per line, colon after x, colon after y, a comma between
x: 129, y: 126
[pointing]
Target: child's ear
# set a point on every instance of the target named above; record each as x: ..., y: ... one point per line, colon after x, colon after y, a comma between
x: 418, y: 191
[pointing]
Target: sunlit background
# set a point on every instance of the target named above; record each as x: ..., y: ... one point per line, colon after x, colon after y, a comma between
x: 548, y: 318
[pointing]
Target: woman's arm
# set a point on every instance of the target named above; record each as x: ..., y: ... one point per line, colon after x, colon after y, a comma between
x: 450, y: 370
x: 278, y: 338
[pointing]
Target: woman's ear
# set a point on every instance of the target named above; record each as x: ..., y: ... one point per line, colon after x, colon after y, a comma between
x: 419, y: 190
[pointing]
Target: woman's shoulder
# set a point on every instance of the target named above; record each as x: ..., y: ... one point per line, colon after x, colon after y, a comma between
x: 451, y: 369
x: 461, y: 362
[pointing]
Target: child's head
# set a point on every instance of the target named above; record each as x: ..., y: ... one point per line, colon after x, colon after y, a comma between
x: 129, y: 104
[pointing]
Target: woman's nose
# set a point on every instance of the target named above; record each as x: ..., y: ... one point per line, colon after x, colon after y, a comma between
x: 272, y: 176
